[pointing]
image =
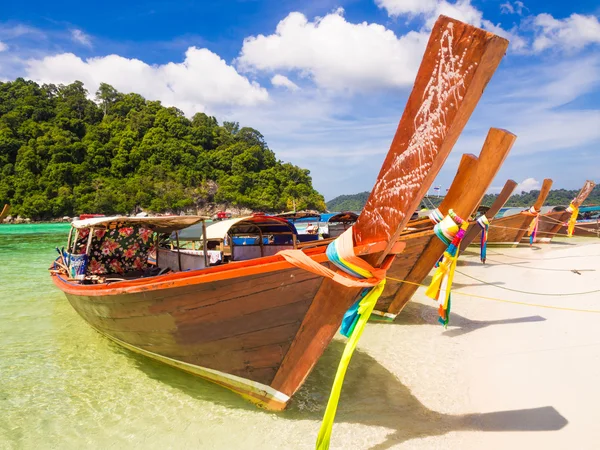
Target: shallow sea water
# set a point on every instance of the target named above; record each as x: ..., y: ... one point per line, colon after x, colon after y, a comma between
x: 62, y: 385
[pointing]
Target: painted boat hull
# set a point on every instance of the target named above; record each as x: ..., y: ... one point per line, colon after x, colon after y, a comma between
x: 509, y: 230
x: 237, y: 328
x: 584, y: 229
x: 550, y: 224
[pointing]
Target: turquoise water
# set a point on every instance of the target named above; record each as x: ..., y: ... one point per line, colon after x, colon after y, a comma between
x: 62, y: 385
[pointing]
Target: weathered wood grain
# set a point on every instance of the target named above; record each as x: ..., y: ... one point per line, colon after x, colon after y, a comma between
x: 458, y: 63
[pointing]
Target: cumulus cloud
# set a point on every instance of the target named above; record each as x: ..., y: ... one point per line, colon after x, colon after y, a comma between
x: 80, y: 37
x: 283, y: 81
x: 3, y: 46
x: 528, y: 184
x: 336, y: 54
x: 201, y: 81
x: 407, y: 7
x: 572, y: 33
x: 461, y: 10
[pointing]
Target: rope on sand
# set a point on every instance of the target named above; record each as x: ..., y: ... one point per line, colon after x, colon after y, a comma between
x: 494, y: 299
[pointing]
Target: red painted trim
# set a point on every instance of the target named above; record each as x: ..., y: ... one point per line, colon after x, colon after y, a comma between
x: 180, y: 279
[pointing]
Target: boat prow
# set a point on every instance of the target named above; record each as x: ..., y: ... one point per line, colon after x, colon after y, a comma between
x: 258, y: 326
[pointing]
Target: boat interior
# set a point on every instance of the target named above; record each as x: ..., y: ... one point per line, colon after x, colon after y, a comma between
x: 109, y: 249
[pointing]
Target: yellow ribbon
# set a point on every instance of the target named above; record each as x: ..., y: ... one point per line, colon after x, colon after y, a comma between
x: 365, y: 309
x: 445, y: 268
x: 572, y: 219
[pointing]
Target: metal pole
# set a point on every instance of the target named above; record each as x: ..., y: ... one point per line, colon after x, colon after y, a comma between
x: 204, y: 245
x: 178, y: 254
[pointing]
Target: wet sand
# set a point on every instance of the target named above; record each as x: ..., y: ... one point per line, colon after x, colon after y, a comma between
x: 502, y: 375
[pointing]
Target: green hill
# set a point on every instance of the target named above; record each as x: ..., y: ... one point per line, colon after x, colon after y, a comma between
x: 353, y: 202
x: 64, y: 154
x: 556, y: 197
x: 356, y: 202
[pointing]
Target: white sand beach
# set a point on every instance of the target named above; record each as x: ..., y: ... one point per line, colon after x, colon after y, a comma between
x: 502, y: 375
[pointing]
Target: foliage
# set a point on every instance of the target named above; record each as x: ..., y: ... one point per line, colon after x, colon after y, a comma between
x: 352, y: 202
x: 556, y: 197
x: 63, y: 154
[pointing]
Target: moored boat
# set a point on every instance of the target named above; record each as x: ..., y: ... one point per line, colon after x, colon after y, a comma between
x: 474, y: 229
x: 509, y: 230
x: 551, y: 222
x: 423, y: 248
x: 258, y: 326
x: 587, y: 224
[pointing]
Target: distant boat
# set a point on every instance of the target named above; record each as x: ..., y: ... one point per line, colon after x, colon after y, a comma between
x: 4, y: 212
x: 510, y: 229
x: 587, y: 225
x: 475, y: 230
x: 258, y: 326
x: 553, y: 221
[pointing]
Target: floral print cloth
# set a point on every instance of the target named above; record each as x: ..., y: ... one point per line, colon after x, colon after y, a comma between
x: 117, y: 250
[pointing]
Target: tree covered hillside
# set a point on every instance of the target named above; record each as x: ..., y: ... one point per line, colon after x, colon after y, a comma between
x: 64, y: 154
x: 556, y: 197
x: 352, y: 202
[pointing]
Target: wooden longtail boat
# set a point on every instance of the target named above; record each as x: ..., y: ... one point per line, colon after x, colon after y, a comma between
x: 510, y: 230
x: 258, y: 327
x: 475, y: 230
x: 4, y: 212
x: 551, y: 222
x: 587, y: 225
x: 423, y: 248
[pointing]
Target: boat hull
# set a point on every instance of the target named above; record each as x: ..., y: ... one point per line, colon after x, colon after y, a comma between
x: 509, y: 230
x: 584, y: 229
x: 550, y: 224
x: 243, y: 333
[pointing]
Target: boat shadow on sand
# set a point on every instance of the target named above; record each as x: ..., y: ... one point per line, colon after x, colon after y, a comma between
x: 415, y: 313
x: 372, y: 396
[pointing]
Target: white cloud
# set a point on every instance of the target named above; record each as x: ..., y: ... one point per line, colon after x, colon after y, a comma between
x: 461, y: 10
x: 201, y: 81
x: 572, y: 33
x: 3, y: 46
x: 529, y: 184
x: 80, y: 37
x: 507, y: 8
x: 407, y: 7
x: 283, y: 81
x: 512, y: 8
x: 336, y: 54
x: 430, y: 9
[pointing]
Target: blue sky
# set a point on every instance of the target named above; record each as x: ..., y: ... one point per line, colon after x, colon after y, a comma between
x: 326, y: 81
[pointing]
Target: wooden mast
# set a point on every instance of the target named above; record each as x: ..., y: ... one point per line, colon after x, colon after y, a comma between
x: 475, y: 230
x: 4, y: 212
x: 463, y: 200
x: 544, y: 191
x: 585, y: 191
x: 458, y: 63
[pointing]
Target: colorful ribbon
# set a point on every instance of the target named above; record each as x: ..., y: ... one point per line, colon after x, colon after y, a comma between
x: 484, y: 224
x: 574, y: 210
x: 341, y: 253
x: 533, y: 226
x: 446, y: 267
x: 436, y: 216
